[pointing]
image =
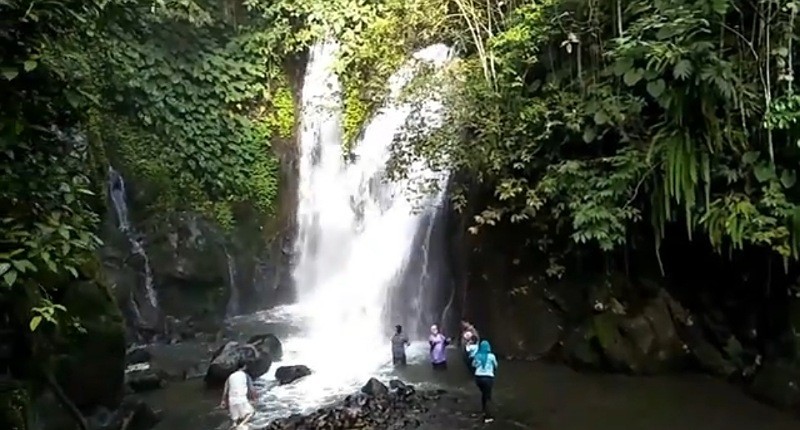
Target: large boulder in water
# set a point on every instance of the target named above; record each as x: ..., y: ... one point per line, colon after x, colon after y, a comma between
x: 268, y: 343
x: 257, y: 355
x: 288, y: 374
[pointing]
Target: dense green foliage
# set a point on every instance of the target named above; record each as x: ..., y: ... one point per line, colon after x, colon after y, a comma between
x: 186, y: 97
x: 590, y: 118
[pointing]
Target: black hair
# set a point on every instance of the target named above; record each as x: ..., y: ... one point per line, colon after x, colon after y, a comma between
x: 398, y: 328
x: 241, y: 364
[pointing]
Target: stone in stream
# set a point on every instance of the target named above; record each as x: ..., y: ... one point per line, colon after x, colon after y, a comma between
x: 288, y: 374
x: 137, y: 354
x: 258, y: 354
x: 133, y: 414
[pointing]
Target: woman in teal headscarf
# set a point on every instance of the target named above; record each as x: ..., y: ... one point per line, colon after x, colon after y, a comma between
x: 485, y: 365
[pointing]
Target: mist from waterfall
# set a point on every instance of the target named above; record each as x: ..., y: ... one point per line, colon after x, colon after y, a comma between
x: 357, y: 228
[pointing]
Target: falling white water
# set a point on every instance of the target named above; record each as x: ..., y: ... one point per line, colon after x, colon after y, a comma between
x: 356, y: 230
x: 116, y: 189
x: 233, y: 302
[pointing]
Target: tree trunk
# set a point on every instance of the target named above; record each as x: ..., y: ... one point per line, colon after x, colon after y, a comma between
x: 65, y: 401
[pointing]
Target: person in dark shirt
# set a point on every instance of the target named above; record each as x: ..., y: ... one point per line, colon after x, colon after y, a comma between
x: 399, y: 344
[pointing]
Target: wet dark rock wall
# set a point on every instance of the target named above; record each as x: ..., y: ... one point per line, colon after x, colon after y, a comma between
x: 735, y: 316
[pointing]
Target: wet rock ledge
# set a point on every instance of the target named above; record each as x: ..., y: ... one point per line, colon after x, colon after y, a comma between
x: 398, y: 406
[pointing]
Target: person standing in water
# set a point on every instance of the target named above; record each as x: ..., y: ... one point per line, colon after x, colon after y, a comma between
x: 485, y: 364
x: 438, y: 344
x: 470, y: 348
x: 469, y: 341
x: 237, y: 395
x: 469, y: 334
x: 399, y: 344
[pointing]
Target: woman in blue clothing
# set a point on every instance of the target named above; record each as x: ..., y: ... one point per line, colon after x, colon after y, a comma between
x: 485, y: 364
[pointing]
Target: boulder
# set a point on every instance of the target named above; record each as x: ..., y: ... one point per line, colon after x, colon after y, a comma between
x: 257, y: 356
x: 223, y: 363
x: 268, y: 343
x: 642, y: 342
x: 581, y: 351
x: 375, y: 388
x: 288, y: 374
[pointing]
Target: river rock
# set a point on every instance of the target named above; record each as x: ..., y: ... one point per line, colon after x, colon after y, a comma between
x: 133, y: 414
x: 142, y: 377
x: 390, y: 411
x: 137, y: 354
x: 778, y: 384
x: 288, y: 374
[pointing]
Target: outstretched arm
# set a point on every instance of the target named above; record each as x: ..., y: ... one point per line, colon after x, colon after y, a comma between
x: 224, y: 401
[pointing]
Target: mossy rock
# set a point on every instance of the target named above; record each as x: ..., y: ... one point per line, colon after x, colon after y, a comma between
x: 15, y: 402
x: 91, y: 365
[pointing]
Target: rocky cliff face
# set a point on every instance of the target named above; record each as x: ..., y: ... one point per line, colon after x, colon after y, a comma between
x: 733, y: 317
x: 199, y: 272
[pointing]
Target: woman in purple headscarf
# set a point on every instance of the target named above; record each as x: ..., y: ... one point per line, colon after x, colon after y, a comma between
x: 438, y: 344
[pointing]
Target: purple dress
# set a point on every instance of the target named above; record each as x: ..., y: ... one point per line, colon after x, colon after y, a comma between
x: 437, y: 351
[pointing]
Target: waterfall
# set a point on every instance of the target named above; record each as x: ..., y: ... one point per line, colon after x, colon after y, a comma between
x: 233, y: 301
x: 356, y: 227
x: 116, y: 191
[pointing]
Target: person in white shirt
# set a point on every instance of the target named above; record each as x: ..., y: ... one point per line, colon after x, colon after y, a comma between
x: 237, y: 395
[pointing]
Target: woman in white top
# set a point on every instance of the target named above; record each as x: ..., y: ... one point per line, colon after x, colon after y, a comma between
x: 237, y: 395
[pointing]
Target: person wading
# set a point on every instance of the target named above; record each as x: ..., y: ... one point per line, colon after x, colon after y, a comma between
x: 469, y: 341
x: 469, y: 334
x: 399, y: 344
x: 237, y: 395
x: 470, y: 348
x: 485, y: 364
x: 438, y: 344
